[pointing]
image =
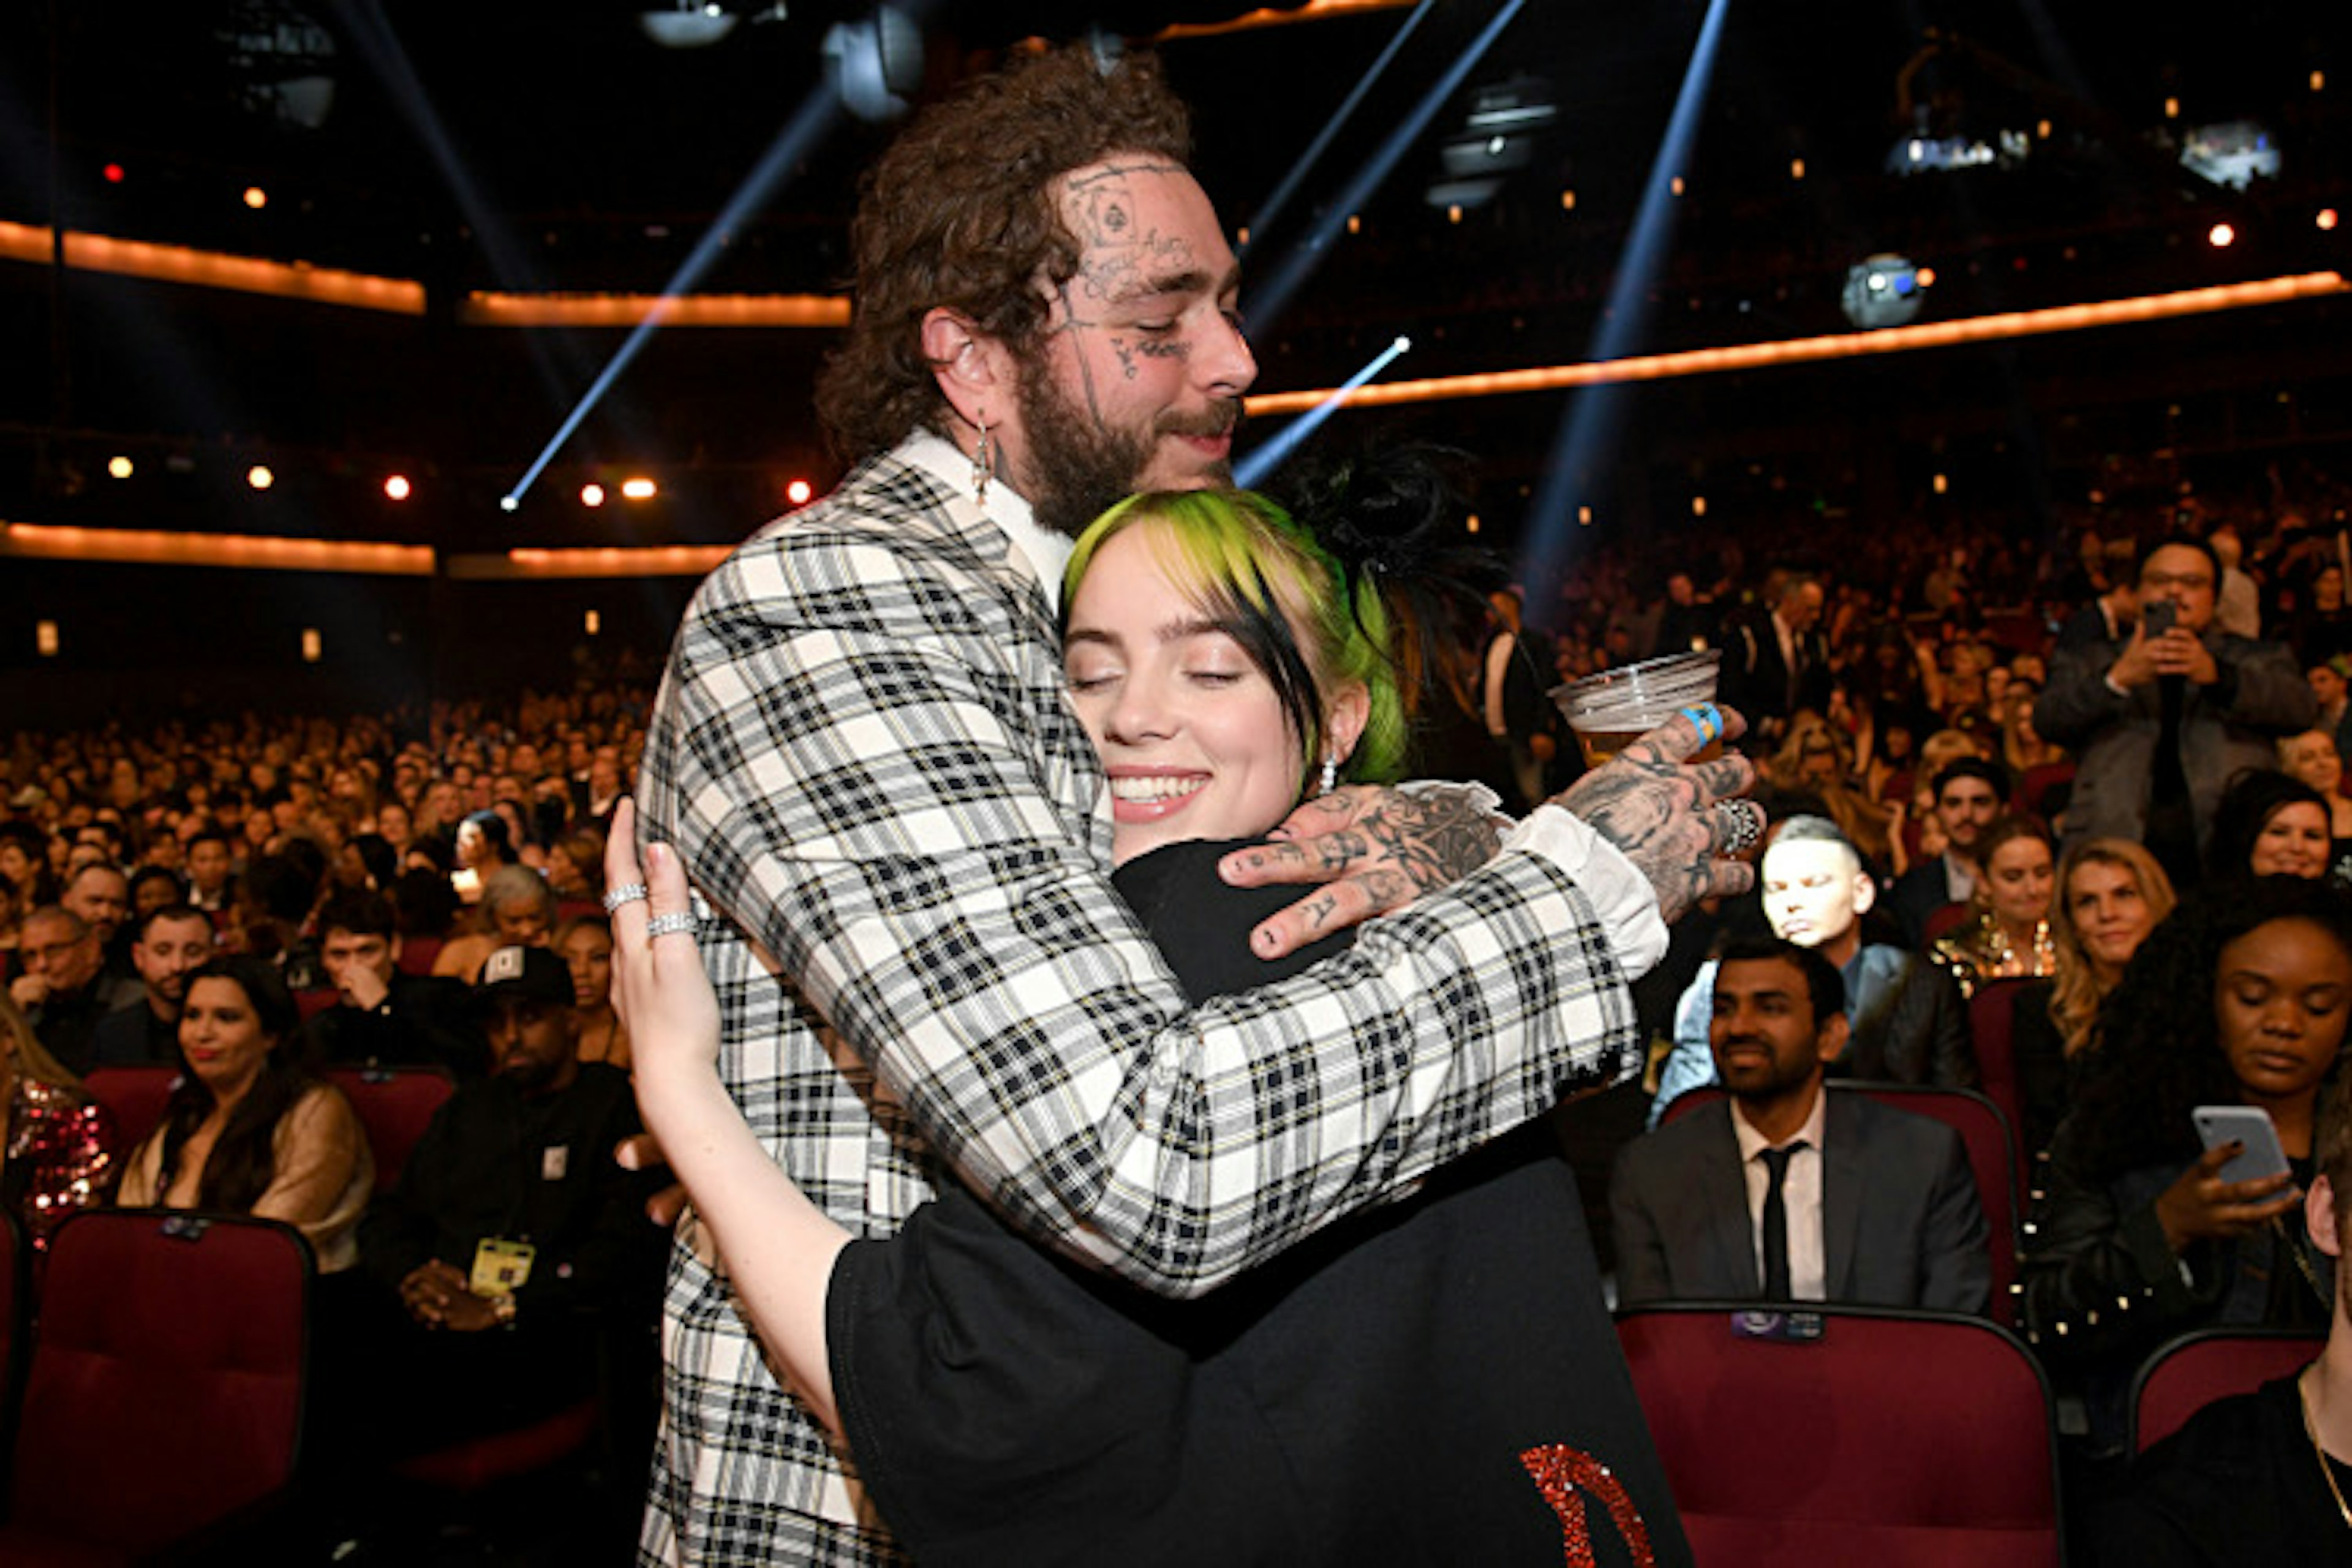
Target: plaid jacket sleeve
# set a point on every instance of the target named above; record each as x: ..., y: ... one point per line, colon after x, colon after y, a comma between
x: 863, y: 753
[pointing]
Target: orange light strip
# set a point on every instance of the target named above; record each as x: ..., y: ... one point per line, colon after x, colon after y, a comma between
x: 650, y: 561
x: 248, y: 552
x: 496, y: 310
x: 1813, y: 351
x: 1318, y: 10
x: 214, y: 269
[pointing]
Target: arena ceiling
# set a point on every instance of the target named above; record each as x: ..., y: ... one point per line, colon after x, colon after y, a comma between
x: 538, y: 146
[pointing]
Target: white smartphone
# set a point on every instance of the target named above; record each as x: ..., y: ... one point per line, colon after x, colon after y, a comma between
x: 2247, y: 1124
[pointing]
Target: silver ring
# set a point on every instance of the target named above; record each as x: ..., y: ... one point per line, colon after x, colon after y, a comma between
x: 1743, y: 827
x: 663, y: 925
x: 627, y: 893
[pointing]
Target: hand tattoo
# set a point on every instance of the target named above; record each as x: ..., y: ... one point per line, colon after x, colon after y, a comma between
x: 1394, y: 846
x: 1657, y: 813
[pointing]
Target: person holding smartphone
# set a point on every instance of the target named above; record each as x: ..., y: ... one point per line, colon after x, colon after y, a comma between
x: 2163, y: 719
x: 2258, y: 1477
x: 2238, y: 1002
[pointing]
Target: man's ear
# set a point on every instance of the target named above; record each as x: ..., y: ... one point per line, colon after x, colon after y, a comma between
x: 1831, y: 1032
x: 975, y: 373
x: 2319, y: 1217
x: 1866, y: 892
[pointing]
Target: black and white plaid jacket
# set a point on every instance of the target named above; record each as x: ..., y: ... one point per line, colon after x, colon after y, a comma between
x: 863, y: 753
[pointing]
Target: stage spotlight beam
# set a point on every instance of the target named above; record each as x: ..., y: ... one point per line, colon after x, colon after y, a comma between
x: 792, y: 144
x: 1267, y: 303
x: 1253, y: 469
x: 1591, y: 420
x: 1263, y: 219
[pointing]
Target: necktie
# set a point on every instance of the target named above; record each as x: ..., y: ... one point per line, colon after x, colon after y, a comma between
x: 2171, y: 832
x: 1776, y: 1222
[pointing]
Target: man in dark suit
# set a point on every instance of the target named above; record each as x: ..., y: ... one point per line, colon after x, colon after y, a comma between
x: 1970, y: 794
x: 1774, y: 661
x: 1784, y: 1192
x: 381, y: 1016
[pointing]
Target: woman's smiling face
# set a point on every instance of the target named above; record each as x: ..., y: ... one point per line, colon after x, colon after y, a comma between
x: 1192, y: 733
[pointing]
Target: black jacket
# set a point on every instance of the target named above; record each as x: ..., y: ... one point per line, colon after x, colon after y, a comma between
x: 421, y: 1022
x: 494, y: 1164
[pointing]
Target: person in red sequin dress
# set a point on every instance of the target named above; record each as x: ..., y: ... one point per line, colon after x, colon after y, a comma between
x: 60, y: 1152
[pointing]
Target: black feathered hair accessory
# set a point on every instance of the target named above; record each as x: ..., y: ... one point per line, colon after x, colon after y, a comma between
x: 1395, y: 518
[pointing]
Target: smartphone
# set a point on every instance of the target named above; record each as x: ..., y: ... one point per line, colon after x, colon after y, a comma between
x: 2158, y: 618
x: 2247, y: 1124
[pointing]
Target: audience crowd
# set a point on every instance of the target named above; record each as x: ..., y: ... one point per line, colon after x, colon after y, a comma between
x: 2011, y: 768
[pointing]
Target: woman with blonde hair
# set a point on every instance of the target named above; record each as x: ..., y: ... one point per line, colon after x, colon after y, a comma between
x: 2312, y: 758
x: 60, y: 1152
x: 2111, y: 894
x: 1814, y: 759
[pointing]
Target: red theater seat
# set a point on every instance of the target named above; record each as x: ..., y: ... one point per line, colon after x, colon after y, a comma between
x: 395, y: 1105
x: 134, y: 1096
x: 2183, y: 1376
x: 1889, y: 1437
x: 165, y: 1402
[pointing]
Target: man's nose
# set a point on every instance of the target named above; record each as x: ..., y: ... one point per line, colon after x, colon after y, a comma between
x: 1227, y: 363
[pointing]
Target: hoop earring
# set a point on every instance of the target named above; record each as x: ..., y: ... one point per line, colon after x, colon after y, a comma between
x: 984, y: 467
x: 1330, y: 775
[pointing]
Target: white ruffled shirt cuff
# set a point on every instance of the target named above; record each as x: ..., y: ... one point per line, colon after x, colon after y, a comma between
x: 1622, y: 896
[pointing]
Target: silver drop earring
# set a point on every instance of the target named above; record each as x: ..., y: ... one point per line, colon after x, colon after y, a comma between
x: 984, y: 467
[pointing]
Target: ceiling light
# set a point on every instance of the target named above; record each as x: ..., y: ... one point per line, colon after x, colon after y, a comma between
x: 874, y: 64
x: 688, y: 25
x: 1881, y: 291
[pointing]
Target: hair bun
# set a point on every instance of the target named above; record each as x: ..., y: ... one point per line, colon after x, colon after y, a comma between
x: 1395, y: 512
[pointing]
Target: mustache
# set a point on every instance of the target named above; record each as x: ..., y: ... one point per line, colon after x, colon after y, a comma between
x: 1220, y: 418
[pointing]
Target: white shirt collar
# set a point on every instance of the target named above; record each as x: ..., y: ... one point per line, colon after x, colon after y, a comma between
x: 1044, y: 552
x: 1752, y: 1142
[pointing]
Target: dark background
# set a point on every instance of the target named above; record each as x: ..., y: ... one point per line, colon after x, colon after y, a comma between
x: 554, y: 147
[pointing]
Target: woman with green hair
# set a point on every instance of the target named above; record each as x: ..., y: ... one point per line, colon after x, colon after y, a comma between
x: 1421, y: 1381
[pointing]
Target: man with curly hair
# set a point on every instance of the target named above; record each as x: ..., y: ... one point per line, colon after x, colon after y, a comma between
x: 899, y: 835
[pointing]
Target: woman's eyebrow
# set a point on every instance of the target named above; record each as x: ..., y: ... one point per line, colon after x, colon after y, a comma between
x: 1166, y: 632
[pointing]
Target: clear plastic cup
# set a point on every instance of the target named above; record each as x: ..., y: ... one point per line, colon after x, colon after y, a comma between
x: 1611, y: 710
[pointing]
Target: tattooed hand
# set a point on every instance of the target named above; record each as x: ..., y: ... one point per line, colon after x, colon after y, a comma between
x: 1675, y: 820
x: 1373, y: 850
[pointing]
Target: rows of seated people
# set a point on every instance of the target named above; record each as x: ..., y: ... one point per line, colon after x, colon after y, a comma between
x: 2068, y: 894
x: 497, y: 1273
x: 2107, y: 943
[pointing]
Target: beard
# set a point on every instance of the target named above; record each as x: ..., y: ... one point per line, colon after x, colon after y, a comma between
x: 1075, y: 469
